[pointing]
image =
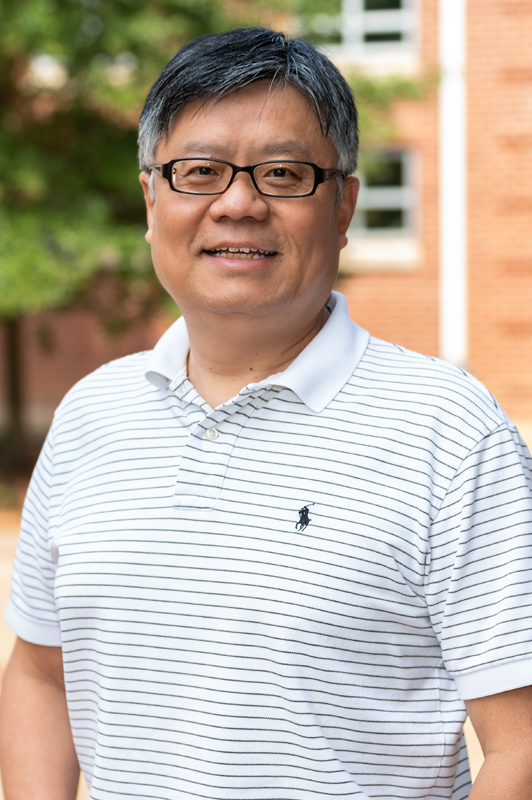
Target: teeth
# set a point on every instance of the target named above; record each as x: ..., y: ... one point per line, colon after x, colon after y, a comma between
x: 243, y: 252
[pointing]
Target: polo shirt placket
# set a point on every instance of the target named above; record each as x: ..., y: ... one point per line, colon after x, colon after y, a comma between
x: 207, y: 451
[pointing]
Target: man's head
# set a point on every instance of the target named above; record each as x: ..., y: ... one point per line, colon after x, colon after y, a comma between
x: 210, y: 67
x: 244, y: 246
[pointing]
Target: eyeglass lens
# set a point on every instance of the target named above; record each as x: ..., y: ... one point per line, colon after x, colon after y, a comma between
x: 207, y: 176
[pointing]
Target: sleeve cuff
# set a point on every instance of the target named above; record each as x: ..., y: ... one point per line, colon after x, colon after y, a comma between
x: 44, y: 633
x: 494, y: 679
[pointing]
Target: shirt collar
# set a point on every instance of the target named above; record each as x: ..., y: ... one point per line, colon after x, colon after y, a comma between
x: 316, y: 376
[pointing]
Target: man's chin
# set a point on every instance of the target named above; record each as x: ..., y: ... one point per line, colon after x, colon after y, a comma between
x: 236, y: 303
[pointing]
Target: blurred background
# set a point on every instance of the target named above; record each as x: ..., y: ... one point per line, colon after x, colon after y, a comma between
x: 440, y: 251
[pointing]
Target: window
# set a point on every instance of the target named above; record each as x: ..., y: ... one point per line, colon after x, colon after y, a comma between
x: 386, y: 200
x: 360, y: 29
x: 373, y: 25
x: 383, y: 235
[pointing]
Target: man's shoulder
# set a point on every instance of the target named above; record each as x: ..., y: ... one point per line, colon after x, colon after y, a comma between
x: 422, y: 375
x: 425, y: 385
x: 112, y: 382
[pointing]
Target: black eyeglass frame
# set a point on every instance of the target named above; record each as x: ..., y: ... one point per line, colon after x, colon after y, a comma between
x: 320, y: 175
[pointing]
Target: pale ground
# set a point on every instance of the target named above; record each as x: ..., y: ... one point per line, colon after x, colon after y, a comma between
x: 9, y: 522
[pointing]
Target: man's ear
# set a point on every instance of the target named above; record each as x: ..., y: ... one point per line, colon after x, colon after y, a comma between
x: 144, y: 179
x: 346, y: 207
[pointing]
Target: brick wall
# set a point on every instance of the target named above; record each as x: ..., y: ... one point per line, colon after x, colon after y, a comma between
x: 500, y: 199
x: 404, y: 308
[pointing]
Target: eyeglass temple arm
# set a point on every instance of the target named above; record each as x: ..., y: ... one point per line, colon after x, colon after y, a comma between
x: 333, y: 173
x: 158, y: 168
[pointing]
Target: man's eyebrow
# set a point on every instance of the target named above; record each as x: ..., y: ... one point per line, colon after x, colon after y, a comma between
x: 288, y: 147
x: 197, y: 148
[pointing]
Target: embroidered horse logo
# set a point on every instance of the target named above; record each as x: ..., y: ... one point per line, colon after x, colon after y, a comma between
x: 304, y: 518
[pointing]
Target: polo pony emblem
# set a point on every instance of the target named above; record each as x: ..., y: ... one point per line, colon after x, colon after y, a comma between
x: 304, y: 518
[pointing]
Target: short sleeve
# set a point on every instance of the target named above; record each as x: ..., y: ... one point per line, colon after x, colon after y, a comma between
x: 32, y: 612
x: 479, y: 581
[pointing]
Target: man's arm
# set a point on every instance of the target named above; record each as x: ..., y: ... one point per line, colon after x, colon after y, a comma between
x: 37, y: 755
x: 503, y: 724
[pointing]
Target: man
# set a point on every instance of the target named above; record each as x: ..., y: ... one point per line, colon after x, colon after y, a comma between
x: 275, y: 556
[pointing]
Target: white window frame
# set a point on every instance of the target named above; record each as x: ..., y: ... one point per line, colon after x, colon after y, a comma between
x: 357, y: 23
x: 388, y: 197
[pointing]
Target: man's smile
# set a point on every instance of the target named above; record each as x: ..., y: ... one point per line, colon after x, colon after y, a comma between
x: 249, y: 253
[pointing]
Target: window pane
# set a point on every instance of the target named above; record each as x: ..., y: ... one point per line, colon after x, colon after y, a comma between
x: 382, y: 5
x: 384, y: 172
x: 396, y: 36
x: 385, y: 218
x: 386, y: 199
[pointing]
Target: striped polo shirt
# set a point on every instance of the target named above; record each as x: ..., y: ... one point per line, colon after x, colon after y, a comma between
x: 286, y: 597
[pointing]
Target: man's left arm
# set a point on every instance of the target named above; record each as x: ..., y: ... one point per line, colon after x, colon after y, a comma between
x: 503, y: 724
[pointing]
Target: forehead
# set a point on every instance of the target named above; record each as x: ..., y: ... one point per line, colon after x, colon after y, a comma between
x: 257, y: 120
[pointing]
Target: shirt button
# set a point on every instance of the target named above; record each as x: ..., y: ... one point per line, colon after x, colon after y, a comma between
x: 212, y: 434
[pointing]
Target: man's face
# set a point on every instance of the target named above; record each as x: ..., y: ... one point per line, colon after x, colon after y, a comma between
x: 301, y: 237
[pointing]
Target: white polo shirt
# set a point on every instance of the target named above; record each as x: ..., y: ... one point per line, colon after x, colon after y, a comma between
x: 286, y: 597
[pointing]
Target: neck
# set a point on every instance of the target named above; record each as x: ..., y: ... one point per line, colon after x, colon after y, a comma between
x: 231, y: 351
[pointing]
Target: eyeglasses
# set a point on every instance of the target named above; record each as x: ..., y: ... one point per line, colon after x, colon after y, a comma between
x: 271, y: 178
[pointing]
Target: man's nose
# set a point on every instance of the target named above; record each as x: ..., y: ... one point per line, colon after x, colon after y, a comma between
x: 241, y: 200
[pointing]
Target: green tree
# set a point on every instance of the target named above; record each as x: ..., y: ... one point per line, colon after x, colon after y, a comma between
x: 73, y: 76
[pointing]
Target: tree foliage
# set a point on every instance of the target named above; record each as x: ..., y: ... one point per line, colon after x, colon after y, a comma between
x: 73, y: 76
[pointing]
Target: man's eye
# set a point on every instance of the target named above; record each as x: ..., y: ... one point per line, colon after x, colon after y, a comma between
x: 280, y: 172
x: 199, y: 171
x: 184, y: 171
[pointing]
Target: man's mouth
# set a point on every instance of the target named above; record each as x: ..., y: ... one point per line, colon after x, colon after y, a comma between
x: 249, y: 253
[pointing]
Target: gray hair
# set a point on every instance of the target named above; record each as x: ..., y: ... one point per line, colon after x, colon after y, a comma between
x: 213, y: 66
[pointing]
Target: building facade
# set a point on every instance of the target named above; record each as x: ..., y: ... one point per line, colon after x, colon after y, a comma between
x: 453, y: 276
